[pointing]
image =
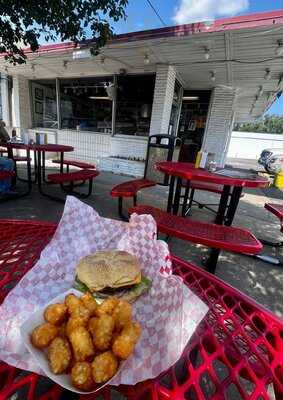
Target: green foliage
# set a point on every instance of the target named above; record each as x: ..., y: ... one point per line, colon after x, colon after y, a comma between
x: 23, y: 22
x: 267, y: 124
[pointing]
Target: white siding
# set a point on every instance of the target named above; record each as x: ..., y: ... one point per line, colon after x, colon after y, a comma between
x: 5, y: 99
x: 250, y: 144
x: 219, y: 122
x: 21, y: 103
x: 163, y: 98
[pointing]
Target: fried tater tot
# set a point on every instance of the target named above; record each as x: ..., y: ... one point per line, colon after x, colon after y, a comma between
x: 80, y: 312
x: 72, y: 302
x: 122, y: 314
x: 123, y: 346
x: 55, y: 313
x: 92, y: 325
x: 107, y: 306
x: 43, y: 334
x: 74, y: 322
x: 59, y: 355
x: 90, y: 303
x: 81, y: 343
x: 104, y: 366
x: 133, y: 330
x: 62, y: 330
x: 81, y: 376
x: 102, y: 329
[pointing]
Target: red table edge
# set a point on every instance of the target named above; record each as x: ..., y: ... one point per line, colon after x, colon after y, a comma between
x: 163, y: 166
x: 28, y: 221
x: 39, y: 147
x: 227, y: 286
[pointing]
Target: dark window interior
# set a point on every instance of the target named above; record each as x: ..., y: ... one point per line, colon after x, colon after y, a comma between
x: 134, y: 104
x: 192, y: 123
x: 85, y: 104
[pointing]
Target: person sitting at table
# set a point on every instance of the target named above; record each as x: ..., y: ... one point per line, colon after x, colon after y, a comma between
x: 6, y: 164
x: 4, y: 135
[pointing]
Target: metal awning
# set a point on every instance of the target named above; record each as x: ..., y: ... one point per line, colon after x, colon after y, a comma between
x: 241, y: 52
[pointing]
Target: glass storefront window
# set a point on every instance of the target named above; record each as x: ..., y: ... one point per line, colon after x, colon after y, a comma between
x: 134, y: 104
x: 44, y: 105
x: 85, y: 104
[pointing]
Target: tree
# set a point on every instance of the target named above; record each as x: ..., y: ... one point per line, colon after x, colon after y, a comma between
x: 267, y: 124
x: 24, y: 22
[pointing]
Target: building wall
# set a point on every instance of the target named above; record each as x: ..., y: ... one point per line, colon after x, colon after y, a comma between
x: 249, y: 144
x: 219, y: 123
x: 21, y: 111
x: 162, y: 100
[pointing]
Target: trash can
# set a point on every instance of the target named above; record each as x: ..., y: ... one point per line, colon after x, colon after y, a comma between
x: 159, y: 148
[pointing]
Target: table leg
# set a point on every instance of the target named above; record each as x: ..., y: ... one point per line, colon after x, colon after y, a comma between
x: 171, y: 193
x: 185, y: 199
x: 29, y: 172
x: 39, y: 181
x: 222, y: 208
x: 233, y: 205
x: 212, y: 259
x: 61, y: 162
x: 177, y: 196
x: 35, y: 166
x: 43, y: 167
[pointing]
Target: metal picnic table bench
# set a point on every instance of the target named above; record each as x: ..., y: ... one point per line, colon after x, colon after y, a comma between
x: 235, y: 353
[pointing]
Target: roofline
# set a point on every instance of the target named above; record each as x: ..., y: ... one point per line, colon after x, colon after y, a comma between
x: 224, y: 24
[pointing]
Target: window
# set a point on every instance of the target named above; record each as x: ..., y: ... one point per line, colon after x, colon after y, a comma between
x: 85, y: 104
x: 44, y: 103
x: 134, y: 103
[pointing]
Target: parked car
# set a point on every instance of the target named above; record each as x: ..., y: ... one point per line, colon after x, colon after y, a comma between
x: 272, y: 160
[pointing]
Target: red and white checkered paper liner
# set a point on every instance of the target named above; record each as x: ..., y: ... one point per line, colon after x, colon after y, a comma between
x: 169, y: 313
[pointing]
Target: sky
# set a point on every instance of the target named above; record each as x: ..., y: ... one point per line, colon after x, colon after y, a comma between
x: 140, y: 16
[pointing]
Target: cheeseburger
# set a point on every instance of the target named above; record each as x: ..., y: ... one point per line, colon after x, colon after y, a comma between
x: 111, y: 273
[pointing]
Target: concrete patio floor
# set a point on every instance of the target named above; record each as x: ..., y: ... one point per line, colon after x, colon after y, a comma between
x: 263, y: 282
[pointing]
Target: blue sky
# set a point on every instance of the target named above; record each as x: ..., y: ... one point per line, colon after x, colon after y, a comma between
x: 140, y: 16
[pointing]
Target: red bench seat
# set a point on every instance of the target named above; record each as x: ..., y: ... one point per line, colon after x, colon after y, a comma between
x: 216, y: 236
x: 75, y: 163
x: 206, y: 186
x: 131, y: 188
x: 82, y: 175
x: 20, y: 158
x: 276, y: 209
x: 6, y: 174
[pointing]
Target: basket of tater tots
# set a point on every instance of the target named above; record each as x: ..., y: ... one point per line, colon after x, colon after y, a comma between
x: 83, y: 337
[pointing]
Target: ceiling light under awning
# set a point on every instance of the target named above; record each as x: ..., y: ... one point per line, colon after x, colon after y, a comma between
x: 99, y: 98
x: 191, y: 98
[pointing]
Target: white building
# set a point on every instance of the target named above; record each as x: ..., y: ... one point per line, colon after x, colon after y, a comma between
x: 192, y: 80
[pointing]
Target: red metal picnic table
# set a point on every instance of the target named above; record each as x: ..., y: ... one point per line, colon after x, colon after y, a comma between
x: 230, y: 196
x: 235, y: 353
x: 39, y: 159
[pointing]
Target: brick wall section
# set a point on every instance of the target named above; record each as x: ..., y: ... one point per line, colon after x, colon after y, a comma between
x: 129, y: 147
x: 162, y: 101
x: 89, y: 147
x: 21, y: 103
x: 219, y: 123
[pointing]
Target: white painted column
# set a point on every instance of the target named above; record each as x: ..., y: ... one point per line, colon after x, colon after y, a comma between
x: 219, y: 123
x: 21, y: 110
x: 5, y: 99
x: 163, y: 99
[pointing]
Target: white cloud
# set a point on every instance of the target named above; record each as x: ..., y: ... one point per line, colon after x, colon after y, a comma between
x: 204, y: 10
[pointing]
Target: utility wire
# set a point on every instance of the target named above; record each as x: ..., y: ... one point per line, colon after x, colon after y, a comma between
x: 156, y: 12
